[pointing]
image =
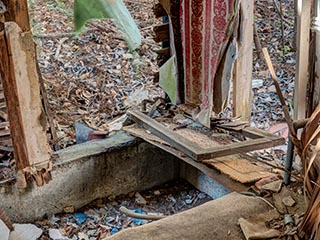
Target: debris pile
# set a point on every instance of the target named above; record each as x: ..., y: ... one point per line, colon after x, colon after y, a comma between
x: 105, y: 217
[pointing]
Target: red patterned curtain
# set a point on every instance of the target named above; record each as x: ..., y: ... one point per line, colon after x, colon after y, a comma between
x: 205, y: 35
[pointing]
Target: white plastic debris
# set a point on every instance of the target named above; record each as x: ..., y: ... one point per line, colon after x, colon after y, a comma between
x: 25, y: 232
x: 4, y: 231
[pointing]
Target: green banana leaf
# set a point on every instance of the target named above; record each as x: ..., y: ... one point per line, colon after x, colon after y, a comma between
x: 85, y: 10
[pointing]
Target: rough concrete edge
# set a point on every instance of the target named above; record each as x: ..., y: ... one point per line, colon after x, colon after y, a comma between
x: 114, y: 142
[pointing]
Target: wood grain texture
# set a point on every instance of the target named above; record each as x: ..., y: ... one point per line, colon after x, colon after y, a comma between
x: 17, y: 11
x: 242, y: 170
x: 302, y: 65
x: 9, y: 82
x: 188, y: 145
x: 27, y: 99
x: 242, y: 85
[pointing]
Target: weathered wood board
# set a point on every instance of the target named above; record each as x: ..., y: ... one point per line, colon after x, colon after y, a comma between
x: 191, y: 147
x: 235, y: 167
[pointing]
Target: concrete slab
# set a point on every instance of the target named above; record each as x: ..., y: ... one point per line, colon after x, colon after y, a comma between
x: 92, y: 170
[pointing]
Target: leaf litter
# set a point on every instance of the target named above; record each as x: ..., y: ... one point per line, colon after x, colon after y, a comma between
x: 91, y: 77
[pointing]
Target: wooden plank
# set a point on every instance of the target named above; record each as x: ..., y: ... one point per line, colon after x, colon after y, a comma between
x: 194, y: 150
x: 235, y: 148
x: 176, y: 141
x: 302, y: 59
x: 242, y: 85
x: 210, y: 172
x: 21, y: 85
x: 242, y: 170
x: 9, y: 82
x: 4, y: 125
x: 255, y: 133
x: 4, y: 133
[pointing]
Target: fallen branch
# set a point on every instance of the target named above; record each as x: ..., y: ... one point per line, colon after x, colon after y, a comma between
x: 257, y: 42
x: 133, y: 214
x: 282, y: 100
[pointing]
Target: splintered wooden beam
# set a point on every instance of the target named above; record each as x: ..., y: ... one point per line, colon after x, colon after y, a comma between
x: 258, y: 141
x: 22, y: 92
x: 8, y: 79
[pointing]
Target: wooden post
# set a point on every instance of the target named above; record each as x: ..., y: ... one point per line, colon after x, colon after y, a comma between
x: 242, y: 84
x: 316, y: 80
x: 302, y: 65
x: 21, y: 87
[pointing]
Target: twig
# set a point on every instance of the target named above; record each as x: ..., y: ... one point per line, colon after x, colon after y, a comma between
x: 282, y: 25
x: 131, y: 213
x: 7, y: 180
x: 257, y: 42
x: 278, y: 89
x: 281, y: 14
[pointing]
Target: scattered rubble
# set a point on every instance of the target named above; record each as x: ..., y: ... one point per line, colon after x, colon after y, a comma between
x: 108, y: 216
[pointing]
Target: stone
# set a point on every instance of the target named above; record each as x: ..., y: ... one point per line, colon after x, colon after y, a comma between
x: 140, y: 199
x: 4, y: 231
x: 69, y: 209
x: 25, y: 232
x: 288, y: 201
x: 273, y: 186
x: 157, y: 193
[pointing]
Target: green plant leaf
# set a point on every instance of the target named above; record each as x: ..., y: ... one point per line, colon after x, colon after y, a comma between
x: 85, y: 10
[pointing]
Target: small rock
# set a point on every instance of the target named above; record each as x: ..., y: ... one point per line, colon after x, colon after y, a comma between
x: 69, y: 209
x: 201, y: 196
x: 157, y: 193
x: 55, y: 234
x: 171, y: 198
x: 288, y: 201
x: 25, y: 232
x: 273, y: 186
x: 83, y: 236
x: 140, y: 199
x: 4, y: 231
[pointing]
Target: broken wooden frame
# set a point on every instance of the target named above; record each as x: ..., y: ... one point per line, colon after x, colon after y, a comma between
x: 258, y: 140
